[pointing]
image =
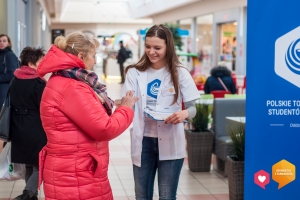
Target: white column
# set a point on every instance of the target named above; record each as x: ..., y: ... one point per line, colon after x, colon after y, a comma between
x: 241, y: 42
x: 193, y: 34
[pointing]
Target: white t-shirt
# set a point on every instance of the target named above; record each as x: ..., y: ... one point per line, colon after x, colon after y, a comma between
x: 154, y: 78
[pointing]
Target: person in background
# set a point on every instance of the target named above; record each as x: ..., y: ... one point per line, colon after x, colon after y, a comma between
x: 212, y: 83
x: 162, y: 84
x: 77, y: 116
x: 8, y: 64
x: 27, y: 134
x: 122, y: 56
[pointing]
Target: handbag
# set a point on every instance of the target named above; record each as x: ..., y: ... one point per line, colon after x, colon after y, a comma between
x: 10, y: 171
x: 5, y: 118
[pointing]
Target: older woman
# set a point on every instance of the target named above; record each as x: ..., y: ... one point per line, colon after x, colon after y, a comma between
x: 27, y: 134
x: 77, y: 117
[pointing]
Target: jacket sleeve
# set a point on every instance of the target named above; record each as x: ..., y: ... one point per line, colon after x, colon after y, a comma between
x: 188, y: 87
x: 11, y: 62
x: 124, y: 53
x: 129, y: 83
x: 81, y: 105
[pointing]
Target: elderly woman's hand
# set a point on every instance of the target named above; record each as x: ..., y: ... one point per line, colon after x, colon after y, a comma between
x: 129, y: 100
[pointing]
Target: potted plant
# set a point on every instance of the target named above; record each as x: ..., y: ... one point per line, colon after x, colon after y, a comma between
x: 177, y: 39
x: 235, y: 162
x: 200, y: 140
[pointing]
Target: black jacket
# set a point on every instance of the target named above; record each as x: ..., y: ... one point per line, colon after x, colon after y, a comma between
x: 122, y: 55
x: 8, y: 64
x: 212, y: 83
x: 27, y: 134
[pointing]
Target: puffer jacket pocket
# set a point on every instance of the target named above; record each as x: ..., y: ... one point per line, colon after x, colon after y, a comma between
x: 98, y: 166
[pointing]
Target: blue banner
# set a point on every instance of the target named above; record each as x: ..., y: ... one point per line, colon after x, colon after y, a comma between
x: 273, y: 100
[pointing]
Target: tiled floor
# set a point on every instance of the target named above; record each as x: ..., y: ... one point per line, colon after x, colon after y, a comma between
x: 192, y: 186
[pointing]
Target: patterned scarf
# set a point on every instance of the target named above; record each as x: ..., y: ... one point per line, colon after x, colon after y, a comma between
x: 91, y: 79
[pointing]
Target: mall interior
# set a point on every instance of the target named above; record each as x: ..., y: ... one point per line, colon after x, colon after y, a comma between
x: 212, y: 32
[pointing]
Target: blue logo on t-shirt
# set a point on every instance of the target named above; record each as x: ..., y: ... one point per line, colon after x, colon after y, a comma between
x: 152, y: 88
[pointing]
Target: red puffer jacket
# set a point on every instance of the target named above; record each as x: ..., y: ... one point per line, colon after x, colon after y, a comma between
x: 74, y: 162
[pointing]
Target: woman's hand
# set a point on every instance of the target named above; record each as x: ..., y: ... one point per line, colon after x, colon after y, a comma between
x: 128, y: 100
x: 177, y: 117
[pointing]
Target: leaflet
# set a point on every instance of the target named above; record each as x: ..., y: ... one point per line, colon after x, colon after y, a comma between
x: 158, y: 116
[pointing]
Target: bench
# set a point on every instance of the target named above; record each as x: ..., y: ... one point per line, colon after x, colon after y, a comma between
x: 222, y: 143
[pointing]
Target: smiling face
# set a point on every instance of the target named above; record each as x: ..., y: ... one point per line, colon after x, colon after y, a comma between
x: 155, y: 49
x: 4, y: 42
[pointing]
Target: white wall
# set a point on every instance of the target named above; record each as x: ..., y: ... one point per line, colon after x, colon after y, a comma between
x: 23, y: 24
x: 198, y: 8
x: 103, y: 29
x: 3, y: 17
x: 148, y: 8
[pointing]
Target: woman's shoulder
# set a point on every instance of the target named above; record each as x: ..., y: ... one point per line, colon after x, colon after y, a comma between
x: 40, y: 81
x: 62, y: 84
x: 12, y: 58
x: 10, y: 54
x: 182, y: 69
x: 132, y: 71
x: 183, y: 72
x: 63, y: 89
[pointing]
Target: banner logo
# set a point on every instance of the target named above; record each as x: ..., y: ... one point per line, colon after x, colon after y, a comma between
x: 292, y: 57
x: 287, y: 57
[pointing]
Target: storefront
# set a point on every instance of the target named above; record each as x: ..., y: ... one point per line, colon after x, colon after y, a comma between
x: 228, y: 45
x: 200, y: 43
x: 229, y: 39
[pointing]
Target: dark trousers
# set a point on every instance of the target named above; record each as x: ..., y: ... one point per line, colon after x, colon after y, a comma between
x: 122, y: 72
x: 32, y: 179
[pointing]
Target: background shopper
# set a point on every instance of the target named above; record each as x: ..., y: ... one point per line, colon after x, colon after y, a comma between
x: 77, y: 117
x: 161, y: 83
x: 212, y: 83
x: 8, y: 64
x: 27, y: 134
x: 122, y: 56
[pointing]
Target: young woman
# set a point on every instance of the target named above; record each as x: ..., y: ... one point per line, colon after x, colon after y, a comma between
x: 8, y: 64
x: 77, y: 117
x: 162, y: 84
x: 27, y: 134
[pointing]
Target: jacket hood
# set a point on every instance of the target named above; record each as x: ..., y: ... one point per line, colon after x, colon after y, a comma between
x: 56, y: 60
x: 220, y: 71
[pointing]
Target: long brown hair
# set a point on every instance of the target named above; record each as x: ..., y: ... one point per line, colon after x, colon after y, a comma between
x: 163, y: 32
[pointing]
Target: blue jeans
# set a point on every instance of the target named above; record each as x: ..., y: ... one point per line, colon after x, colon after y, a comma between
x: 168, y: 173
